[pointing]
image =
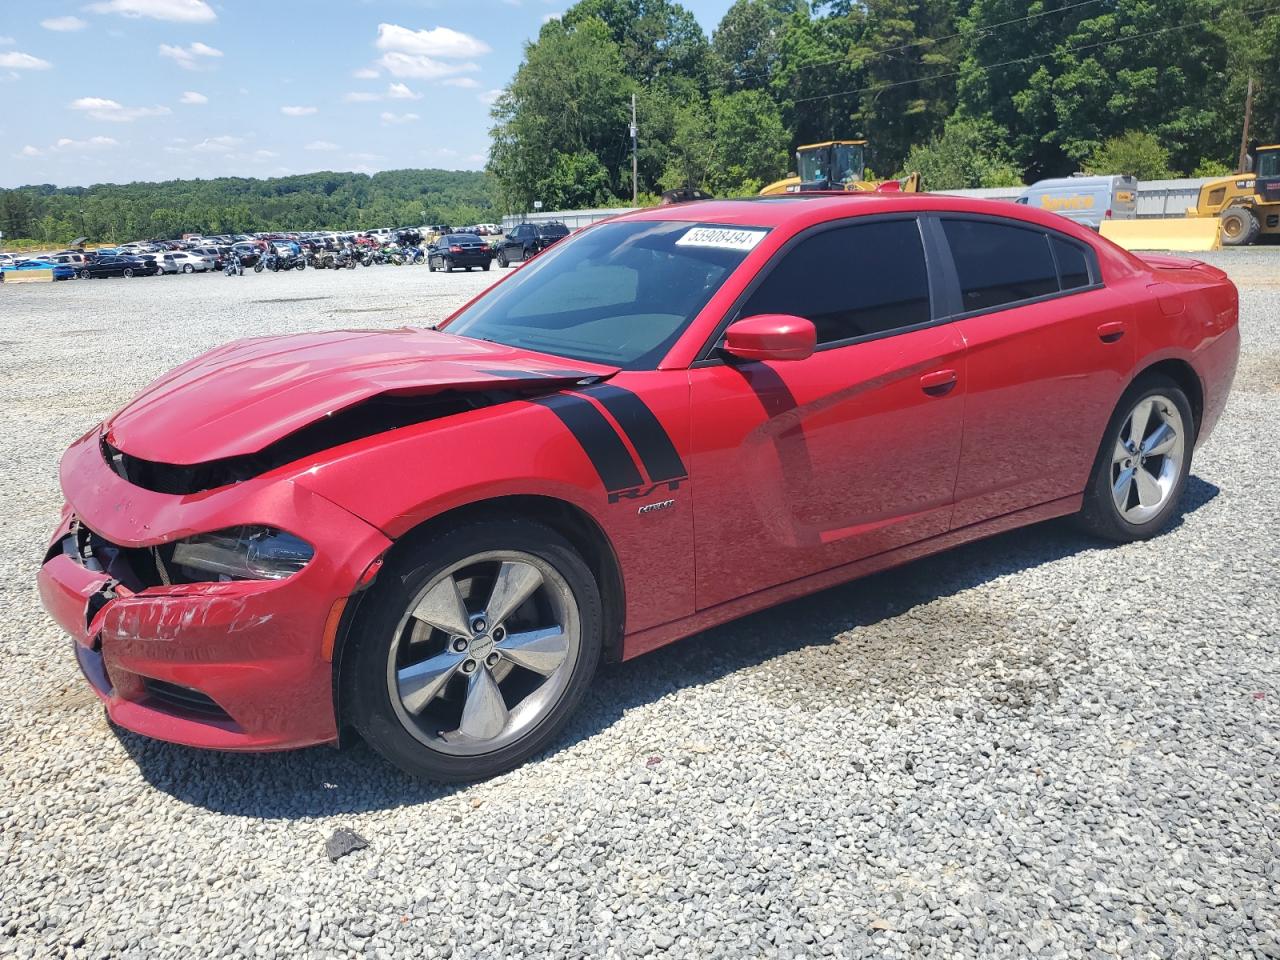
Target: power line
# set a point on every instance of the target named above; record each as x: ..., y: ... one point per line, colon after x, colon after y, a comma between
x: 1040, y: 56
x: 923, y: 41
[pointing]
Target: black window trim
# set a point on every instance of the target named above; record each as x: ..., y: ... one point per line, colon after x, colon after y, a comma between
x: 947, y: 263
x: 710, y: 356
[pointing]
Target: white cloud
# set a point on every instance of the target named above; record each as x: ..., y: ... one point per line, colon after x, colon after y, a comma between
x: 113, y: 112
x: 177, y: 11
x: 394, y: 118
x: 93, y: 143
x: 298, y: 111
x: 193, y: 98
x: 186, y: 57
x: 466, y: 83
x: 67, y: 145
x: 395, y: 91
x: 400, y: 91
x: 321, y: 146
x: 64, y: 24
x: 405, y: 66
x: 223, y: 144
x: 364, y: 73
x: 23, y: 61
x: 7, y: 41
x: 489, y: 97
x: 265, y: 154
x: 440, y: 42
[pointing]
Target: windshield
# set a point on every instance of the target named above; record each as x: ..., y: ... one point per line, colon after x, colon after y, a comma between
x: 1269, y: 164
x: 841, y: 163
x: 617, y: 294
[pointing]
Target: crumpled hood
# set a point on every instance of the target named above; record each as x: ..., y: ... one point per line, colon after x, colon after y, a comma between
x: 239, y: 398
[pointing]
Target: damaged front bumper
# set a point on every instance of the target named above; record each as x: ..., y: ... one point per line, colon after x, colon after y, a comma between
x: 236, y: 665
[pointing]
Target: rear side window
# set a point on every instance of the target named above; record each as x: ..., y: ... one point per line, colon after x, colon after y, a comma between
x: 1073, y: 266
x: 999, y: 264
x: 852, y: 281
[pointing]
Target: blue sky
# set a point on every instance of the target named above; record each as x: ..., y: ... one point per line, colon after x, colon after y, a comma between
x: 123, y: 90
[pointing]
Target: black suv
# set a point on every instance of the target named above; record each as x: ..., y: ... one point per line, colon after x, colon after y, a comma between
x: 528, y: 239
x: 458, y: 250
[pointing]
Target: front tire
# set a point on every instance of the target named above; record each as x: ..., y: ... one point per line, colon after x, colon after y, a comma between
x: 473, y: 649
x: 1239, y: 227
x: 188, y: 268
x: 1142, y: 466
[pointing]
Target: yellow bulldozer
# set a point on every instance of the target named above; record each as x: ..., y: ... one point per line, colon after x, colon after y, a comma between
x: 837, y: 165
x: 1247, y: 205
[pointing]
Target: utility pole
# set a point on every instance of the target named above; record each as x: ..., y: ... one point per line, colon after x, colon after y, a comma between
x: 1241, y: 167
x: 635, y: 163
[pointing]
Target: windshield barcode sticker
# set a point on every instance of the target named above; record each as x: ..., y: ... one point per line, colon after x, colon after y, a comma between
x: 722, y: 238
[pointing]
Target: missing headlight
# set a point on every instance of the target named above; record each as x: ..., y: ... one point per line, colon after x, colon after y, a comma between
x: 242, y: 553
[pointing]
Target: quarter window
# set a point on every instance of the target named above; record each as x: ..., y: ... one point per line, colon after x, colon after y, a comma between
x: 853, y: 281
x: 999, y: 264
x: 1073, y: 266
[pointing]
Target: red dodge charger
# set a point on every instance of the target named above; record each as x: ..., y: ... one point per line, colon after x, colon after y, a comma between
x: 671, y: 419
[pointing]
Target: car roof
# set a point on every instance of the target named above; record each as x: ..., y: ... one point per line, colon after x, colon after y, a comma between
x: 797, y: 211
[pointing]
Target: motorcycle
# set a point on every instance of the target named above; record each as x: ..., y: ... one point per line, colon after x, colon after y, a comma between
x: 234, y: 266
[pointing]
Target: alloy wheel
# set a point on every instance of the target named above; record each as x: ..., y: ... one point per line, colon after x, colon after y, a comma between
x: 484, y: 652
x: 1146, y: 461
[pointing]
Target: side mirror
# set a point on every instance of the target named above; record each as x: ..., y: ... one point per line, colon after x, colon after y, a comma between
x: 771, y: 336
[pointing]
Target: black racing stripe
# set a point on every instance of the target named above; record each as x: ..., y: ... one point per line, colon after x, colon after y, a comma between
x: 600, y: 441
x: 646, y: 433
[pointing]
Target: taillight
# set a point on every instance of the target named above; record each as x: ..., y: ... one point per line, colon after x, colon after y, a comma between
x: 455, y: 249
x: 1107, y: 214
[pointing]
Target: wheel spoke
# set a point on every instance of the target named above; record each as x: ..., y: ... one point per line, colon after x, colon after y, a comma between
x: 1121, y: 453
x: 421, y: 683
x: 1149, y: 492
x: 1161, y: 440
x: 443, y: 609
x: 541, y: 651
x: 484, y: 715
x: 1138, y: 422
x: 1120, y: 490
x: 515, y: 584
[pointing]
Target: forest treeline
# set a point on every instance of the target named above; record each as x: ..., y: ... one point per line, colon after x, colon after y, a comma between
x: 313, y: 201
x: 969, y: 92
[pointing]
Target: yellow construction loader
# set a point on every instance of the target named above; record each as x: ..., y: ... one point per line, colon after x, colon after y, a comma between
x: 1247, y: 205
x: 837, y: 165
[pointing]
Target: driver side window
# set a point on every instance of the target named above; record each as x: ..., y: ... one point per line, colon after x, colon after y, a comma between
x: 851, y: 282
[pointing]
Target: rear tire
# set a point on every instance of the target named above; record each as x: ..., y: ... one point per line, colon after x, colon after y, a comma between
x: 539, y: 668
x: 1239, y: 227
x: 188, y: 268
x: 1142, y: 465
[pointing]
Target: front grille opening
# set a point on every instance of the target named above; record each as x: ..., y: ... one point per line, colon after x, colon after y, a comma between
x: 183, y: 700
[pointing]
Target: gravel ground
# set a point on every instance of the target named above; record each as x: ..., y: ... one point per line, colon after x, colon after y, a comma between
x: 1032, y: 746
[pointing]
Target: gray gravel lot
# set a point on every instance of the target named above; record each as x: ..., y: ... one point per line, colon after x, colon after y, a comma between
x: 1032, y: 746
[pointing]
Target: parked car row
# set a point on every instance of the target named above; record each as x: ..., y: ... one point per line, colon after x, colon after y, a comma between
x: 439, y: 246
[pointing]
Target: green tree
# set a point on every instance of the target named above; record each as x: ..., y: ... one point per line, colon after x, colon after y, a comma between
x: 1136, y: 154
x: 749, y: 142
x: 658, y: 39
x: 571, y: 95
x: 968, y: 153
x: 745, y: 44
